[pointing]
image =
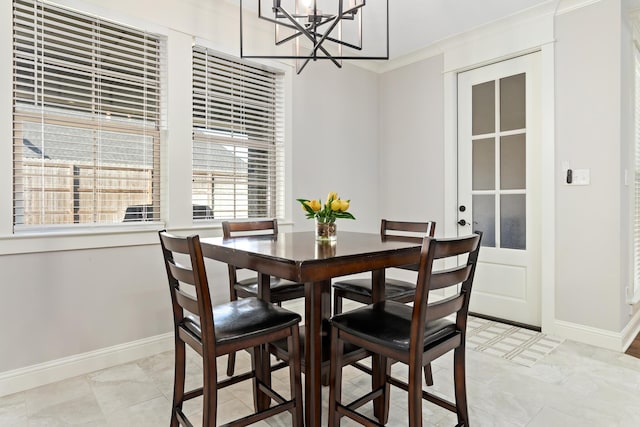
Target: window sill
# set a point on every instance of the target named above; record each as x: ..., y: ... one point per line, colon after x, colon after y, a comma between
x: 106, y: 237
x: 87, y: 238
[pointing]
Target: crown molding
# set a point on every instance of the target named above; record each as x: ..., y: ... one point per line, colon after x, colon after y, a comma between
x: 529, y: 16
x: 567, y: 6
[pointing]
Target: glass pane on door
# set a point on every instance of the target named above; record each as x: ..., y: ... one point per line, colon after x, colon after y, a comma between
x: 483, y: 164
x: 513, y: 102
x: 483, y: 116
x: 513, y: 162
x: 513, y: 220
x: 484, y: 218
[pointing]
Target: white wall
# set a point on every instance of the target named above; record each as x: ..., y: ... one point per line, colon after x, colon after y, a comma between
x: 412, y: 149
x: 589, y: 288
x: 69, y: 302
x: 336, y: 148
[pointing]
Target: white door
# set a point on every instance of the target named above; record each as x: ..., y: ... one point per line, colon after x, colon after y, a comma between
x: 499, y: 184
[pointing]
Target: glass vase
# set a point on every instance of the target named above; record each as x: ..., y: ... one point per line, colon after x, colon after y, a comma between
x: 326, y: 232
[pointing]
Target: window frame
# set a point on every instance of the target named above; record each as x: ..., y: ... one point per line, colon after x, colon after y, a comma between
x: 140, y: 108
x: 233, y: 135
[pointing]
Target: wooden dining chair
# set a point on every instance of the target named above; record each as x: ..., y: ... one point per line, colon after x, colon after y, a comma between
x: 280, y: 290
x: 413, y: 335
x: 359, y: 289
x: 249, y: 323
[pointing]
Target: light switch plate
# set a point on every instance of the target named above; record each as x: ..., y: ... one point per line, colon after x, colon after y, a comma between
x: 581, y: 177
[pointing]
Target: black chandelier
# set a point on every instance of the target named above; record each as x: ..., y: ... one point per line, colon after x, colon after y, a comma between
x: 314, y: 29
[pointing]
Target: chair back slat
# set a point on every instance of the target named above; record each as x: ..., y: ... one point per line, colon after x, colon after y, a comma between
x: 252, y: 228
x: 449, y: 277
x: 174, y: 244
x: 182, y: 274
x: 445, y: 307
x: 413, y: 231
x: 452, y: 247
x: 187, y: 302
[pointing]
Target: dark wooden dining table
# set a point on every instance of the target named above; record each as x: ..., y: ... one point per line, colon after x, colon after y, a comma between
x: 298, y: 257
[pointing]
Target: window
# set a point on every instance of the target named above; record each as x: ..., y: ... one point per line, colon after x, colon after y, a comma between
x: 86, y: 120
x: 238, y: 158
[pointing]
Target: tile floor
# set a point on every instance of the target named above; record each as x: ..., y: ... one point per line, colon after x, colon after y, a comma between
x: 574, y: 385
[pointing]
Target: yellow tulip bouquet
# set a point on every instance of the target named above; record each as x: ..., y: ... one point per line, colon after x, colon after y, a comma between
x: 334, y: 208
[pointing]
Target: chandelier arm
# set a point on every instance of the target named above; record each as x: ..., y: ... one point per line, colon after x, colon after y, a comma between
x: 304, y: 64
x: 343, y: 43
x: 354, y: 9
x: 287, y: 39
x: 275, y: 21
x: 305, y: 32
x: 328, y: 38
x: 290, y: 26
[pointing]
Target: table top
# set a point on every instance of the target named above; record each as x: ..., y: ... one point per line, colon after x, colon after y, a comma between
x: 297, y: 256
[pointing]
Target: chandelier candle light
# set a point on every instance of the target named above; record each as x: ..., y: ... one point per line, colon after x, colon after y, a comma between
x: 325, y: 216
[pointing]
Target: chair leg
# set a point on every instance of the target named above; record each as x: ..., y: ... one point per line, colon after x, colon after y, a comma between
x: 231, y: 364
x: 231, y: 359
x: 335, y: 378
x: 460, y: 385
x: 293, y: 345
x: 337, y: 303
x: 210, y: 393
x: 179, y: 379
x: 256, y: 367
x: 415, y: 393
x: 428, y: 375
x: 383, y: 405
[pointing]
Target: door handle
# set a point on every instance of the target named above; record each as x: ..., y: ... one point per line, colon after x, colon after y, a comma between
x: 462, y: 222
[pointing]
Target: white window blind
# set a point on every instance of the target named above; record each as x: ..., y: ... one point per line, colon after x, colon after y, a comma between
x: 86, y: 105
x: 635, y: 292
x: 238, y: 127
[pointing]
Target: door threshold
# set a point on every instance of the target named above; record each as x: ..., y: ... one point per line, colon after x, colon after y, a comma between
x: 506, y: 321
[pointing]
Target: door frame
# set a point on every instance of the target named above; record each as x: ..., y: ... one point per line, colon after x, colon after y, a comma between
x: 481, y: 50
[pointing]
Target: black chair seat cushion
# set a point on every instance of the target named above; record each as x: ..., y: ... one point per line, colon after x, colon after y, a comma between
x: 277, y: 286
x: 393, y: 288
x: 244, y: 318
x: 388, y: 324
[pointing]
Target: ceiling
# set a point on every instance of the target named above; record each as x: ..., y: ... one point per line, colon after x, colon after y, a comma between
x: 413, y: 24
x: 416, y: 24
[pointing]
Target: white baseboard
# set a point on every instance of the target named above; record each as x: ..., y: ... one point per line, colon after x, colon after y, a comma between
x: 631, y: 331
x: 616, y: 341
x: 45, y: 373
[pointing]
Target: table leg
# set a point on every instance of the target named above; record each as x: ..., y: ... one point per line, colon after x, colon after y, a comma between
x: 317, y: 311
x: 378, y: 364
x: 263, y: 401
